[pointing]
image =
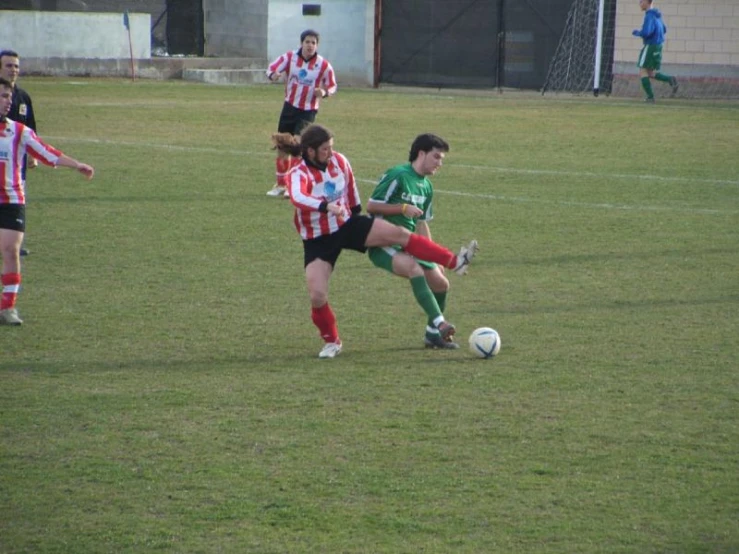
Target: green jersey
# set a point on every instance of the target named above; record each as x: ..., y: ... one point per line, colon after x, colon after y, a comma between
x: 402, y: 185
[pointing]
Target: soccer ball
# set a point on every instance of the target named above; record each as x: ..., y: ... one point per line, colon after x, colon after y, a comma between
x: 485, y: 342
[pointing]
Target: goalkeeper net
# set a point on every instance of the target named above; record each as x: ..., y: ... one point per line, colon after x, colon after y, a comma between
x: 583, y: 60
x: 587, y: 59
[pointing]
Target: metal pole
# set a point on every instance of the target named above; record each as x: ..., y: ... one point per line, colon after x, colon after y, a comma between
x: 598, y: 48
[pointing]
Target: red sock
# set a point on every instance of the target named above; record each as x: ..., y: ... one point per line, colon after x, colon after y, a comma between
x: 426, y: 249
x: 11, y: 284
x: 282, y: 168
x: 325, y: 319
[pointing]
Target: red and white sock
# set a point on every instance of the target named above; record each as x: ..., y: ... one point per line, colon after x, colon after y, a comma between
x: 11, y: 285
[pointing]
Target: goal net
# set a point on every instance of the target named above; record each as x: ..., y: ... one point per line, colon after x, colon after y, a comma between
x: 583, y: 60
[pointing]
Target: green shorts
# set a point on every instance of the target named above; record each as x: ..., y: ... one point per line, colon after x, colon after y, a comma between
x: 650, y: 57
x: 382, y: 257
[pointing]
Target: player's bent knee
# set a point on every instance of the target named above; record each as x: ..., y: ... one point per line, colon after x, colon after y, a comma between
x: 437, y: 281
x: 317, y: 298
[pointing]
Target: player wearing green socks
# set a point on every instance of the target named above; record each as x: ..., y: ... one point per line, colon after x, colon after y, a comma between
x: 404, y: 197
x: 650, y: 58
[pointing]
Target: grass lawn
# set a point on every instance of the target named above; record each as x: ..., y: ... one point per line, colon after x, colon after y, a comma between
x: 164, y: 393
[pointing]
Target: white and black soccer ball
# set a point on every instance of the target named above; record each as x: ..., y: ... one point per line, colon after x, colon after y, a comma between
x: 485, y: 342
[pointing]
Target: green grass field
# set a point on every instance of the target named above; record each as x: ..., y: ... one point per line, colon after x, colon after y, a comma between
x: 164, y: 393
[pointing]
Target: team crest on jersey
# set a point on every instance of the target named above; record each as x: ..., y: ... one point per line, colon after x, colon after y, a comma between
x: 330, y: 190
x: 23, y: 109
x: 304, y: 77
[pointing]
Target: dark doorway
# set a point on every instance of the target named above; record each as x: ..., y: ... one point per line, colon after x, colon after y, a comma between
x: 185, y: 27
x: 469, y: 43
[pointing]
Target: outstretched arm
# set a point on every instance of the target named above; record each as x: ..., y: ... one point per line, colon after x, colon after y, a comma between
x: 86, y: 170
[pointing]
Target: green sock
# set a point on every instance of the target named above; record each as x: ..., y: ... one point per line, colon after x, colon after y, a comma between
x: 647, y: 86
x: 425, y: 297
x: 662, y: 77
x: 441, y: 301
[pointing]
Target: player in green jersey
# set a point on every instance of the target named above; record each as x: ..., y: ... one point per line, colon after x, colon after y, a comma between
x: 404, y: 197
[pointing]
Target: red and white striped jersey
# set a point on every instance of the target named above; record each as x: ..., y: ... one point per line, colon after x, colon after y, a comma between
x: 15, y: 141
x: 303, y: 78
x: 309, y: 187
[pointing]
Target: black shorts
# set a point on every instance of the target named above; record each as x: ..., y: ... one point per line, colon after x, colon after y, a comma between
x: 352, y: 235
x: 13, y: 217
x: 293, y: 120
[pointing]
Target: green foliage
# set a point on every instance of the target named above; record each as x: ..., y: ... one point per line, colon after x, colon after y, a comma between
x: 164, y: 393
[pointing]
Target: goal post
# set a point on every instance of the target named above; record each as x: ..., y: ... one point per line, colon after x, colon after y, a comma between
x: 583, y: 60
x: 598, y: 49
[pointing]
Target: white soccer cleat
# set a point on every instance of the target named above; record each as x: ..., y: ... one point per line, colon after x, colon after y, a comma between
x: 9, y: 316
x: 276, y: 191
x: 465, y: 256
x: 330, y: 350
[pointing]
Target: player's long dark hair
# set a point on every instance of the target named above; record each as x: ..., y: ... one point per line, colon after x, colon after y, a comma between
x: 312, y: 137
x: 286, y: 143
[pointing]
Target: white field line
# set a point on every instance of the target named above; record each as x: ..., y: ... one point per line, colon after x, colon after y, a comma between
x: 503, y: 198
x: 168, y: 103
x: 630, y: 177
x: 604, y: 206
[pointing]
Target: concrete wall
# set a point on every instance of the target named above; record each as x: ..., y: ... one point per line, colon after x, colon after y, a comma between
x: 236, y: 28
x: 347, y: 35
x: 269, y: 28
x: 35, y: 34
x: 155, y: 8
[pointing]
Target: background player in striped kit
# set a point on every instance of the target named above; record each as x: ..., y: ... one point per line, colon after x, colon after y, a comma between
x: 404, y: 197
x: 21, y: 110
x: 17, y: 140
x: 308, y: 78
x: 328, y: 219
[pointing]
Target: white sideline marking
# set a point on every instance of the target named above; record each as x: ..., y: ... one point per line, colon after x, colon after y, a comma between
x: 611, y: 175
x: 468, y: 166
x: 624, y: 207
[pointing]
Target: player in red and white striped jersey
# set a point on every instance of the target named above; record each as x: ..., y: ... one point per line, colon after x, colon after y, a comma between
x: 17, y: 140
x: 328, y: 218
x: 308, y: 78
x: 21, y: 110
